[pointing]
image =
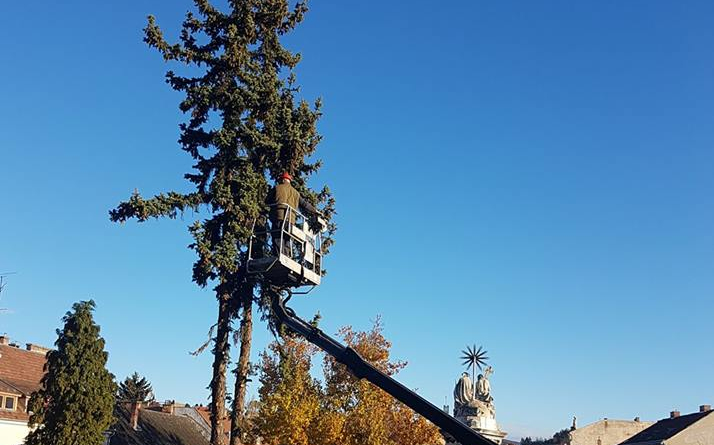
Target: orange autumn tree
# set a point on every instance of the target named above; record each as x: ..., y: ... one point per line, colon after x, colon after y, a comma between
x: 289, y: 395
x: 297, y: 409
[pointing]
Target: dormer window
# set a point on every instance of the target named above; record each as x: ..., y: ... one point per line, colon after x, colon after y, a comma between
x: 8, y: 402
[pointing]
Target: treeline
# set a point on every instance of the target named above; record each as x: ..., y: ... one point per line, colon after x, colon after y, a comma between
x: 559, y: 438
x: 299, y: 409
x: 76, y: 401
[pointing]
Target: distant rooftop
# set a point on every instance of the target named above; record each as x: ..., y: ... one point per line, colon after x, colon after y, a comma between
x: 155, y: 428
x: 667, y: 428
x: 21, y: 370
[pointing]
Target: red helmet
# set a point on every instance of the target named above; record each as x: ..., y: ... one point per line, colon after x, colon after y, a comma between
x: 286, y: 175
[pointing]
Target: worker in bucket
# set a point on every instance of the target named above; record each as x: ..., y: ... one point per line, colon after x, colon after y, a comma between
x: 284, y: 201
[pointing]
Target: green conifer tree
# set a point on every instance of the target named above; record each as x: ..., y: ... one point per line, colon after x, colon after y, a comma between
x: 76, y: 401
x: 244, y: 127
x: 135, y: 388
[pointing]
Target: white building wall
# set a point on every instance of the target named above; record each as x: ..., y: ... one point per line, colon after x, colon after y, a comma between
x: 13, y: 432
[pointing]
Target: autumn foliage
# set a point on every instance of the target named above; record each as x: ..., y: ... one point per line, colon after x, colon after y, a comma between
x: 297, y: 408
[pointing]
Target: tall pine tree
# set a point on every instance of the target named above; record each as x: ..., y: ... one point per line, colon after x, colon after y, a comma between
x: 76, y: 402
x: 244, y: 127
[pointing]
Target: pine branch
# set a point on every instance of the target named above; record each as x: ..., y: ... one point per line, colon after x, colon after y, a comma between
x: 168, y: 205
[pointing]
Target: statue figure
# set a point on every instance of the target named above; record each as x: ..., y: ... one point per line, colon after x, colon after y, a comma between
x: 464, y: 392
x: 483, y: 386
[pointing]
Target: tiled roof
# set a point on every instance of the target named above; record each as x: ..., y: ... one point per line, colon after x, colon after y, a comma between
x: 665, y: 428
x: 205, y: 414
x: 156, y: 428
x: 17, y: 416
x: 8, y: 388
x: 20, y: 375
x: 21, y: 369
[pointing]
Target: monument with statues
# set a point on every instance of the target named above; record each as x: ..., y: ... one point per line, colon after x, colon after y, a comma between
x: 473, y: 403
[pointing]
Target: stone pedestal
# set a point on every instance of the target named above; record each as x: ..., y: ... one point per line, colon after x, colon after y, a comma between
x: 484, y: 425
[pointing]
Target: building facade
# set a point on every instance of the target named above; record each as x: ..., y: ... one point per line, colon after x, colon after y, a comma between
x: 606, y: 432
x: 21, y: 370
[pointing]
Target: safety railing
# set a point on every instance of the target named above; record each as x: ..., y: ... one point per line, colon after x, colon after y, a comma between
x: 283, y: 233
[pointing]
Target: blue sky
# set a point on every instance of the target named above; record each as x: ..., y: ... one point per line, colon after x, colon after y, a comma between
x: 534, y: 177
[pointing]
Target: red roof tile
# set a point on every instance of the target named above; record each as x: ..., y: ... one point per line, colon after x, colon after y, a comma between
x: 20, y: 375
x: 14, y: 415
x: 21, y: 369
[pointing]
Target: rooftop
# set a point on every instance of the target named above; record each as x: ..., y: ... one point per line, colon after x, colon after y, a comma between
x: 666, y: 428
x: 21, y: 371
x: 156, y: 428
x: 205, y: 413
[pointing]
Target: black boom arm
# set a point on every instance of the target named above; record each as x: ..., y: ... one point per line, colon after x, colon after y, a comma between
x: 364, y: 370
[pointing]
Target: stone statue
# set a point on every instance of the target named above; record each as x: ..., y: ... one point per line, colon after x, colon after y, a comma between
x: 467, y: 402
x: 464, y: 392
x: 473, y: 404
x: 483, y: 386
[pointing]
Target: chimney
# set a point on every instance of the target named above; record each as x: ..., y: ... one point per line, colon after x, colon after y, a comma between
x: 134, y: 419
x: 637, y: 419
x: 705, y: 408
x: 674, y: 414
x: 4, y: 340
x: 169, y: 407
x: 37, y: 348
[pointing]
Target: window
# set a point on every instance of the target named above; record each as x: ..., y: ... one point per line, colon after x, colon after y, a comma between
x: 8, y: 403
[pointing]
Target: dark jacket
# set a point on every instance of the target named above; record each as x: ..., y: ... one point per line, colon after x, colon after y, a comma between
x: 283, y: 194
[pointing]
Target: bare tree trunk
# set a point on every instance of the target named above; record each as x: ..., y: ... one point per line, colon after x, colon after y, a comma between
x: 220, y: 362
x: 243, y: 368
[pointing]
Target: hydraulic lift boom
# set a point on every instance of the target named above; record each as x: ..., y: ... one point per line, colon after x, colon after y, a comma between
x: 364, y: 370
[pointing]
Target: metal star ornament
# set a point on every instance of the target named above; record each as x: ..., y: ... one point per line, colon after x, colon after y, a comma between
x: 474, y: 358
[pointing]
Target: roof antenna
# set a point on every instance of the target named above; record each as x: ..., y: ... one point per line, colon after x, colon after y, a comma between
x: 3, y: 283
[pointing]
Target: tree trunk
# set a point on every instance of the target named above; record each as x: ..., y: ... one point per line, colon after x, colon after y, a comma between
x: 243, y: 368
x: 220, y: 362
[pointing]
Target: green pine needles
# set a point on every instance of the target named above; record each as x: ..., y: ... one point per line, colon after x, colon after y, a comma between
x: 135, y: 388
x: 76, y: 402
x: 244, y: 126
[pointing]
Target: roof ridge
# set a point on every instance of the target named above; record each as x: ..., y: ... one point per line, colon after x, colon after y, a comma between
x: 18, y: 348
x: 624, y: 420
x: 16, y: 388
x: 614, y: 420
x: 696, y: 413
x: 156, y: 412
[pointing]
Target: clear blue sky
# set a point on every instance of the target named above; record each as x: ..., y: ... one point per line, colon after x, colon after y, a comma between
x: 532, y: 176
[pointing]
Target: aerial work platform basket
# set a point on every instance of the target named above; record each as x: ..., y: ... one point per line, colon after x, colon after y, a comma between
x: 287, y: 251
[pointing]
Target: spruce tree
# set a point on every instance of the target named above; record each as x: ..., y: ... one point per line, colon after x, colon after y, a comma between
x: 244, y: 127
x: 76, y: 401
x: 135, y: 388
